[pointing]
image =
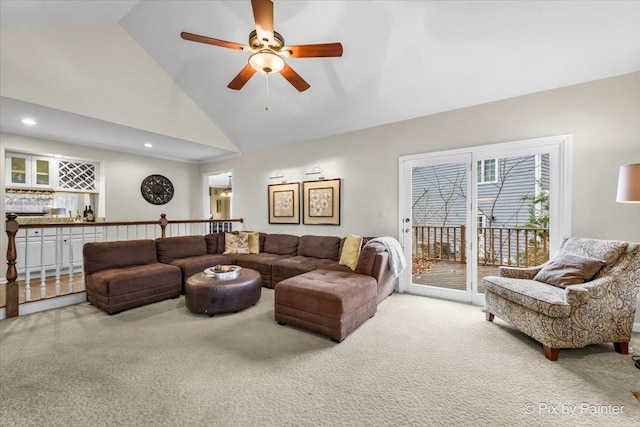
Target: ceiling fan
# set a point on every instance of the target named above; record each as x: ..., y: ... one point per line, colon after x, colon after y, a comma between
x: 268, y: 49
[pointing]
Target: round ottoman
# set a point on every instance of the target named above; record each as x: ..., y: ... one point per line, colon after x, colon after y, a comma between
x: 208, y: 295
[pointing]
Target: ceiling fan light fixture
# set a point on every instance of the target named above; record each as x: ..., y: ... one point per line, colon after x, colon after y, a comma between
x: 266, y: 62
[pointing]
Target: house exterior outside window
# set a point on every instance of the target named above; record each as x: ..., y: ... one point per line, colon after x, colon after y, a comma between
x: 487, y: 171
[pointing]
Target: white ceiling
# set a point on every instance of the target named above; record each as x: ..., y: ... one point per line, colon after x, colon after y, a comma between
x: 402, y: 59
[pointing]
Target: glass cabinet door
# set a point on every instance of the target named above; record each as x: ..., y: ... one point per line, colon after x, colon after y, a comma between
x: 42, y: 172
x: 17, y: 171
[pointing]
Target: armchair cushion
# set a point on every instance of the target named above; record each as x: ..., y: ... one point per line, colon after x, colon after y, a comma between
x: 536, y: 296
x: 568, y: 269
x: 607, y: 250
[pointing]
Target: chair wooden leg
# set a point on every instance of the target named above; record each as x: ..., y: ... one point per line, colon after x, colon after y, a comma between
x: 489, y: 316
x: 621, y: 347
x: 551, y: 353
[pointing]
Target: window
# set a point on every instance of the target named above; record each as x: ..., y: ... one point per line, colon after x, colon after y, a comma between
x: 481, y: 223
x: 487, y: 171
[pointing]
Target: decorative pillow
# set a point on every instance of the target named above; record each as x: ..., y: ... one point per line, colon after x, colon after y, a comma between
x: 236, y: 243
x: 351, y: 251
x: 567, y: 269
x: 254, y: 241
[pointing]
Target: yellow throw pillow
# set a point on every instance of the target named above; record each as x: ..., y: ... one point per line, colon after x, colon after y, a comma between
x: 351, y: 251
x: 254, y: 241
x: 236, y: 243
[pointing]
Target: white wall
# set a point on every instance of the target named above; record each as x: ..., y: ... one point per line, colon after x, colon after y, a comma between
x: 603, y: 117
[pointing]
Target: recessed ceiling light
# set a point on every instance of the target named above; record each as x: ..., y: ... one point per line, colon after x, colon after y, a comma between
x: 29, y: 121
x: 148, y: 144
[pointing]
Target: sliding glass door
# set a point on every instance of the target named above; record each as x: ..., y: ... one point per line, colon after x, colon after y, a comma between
x: 465, y: 213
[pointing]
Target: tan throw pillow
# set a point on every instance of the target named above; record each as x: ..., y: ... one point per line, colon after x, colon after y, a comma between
x: 567, y: 269
x: 351, y: 251
x: 254, y: 241
x: 236, y: 243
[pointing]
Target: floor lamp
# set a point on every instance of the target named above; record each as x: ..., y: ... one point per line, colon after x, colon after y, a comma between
x: 629, y: 184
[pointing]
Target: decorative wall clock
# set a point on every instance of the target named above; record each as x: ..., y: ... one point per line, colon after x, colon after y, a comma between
x: 157, y: 189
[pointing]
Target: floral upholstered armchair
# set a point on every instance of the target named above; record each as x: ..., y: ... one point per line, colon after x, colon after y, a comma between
x: 585, y: 295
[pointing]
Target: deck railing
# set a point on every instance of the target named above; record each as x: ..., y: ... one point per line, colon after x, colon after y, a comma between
x: 510, y: 246
x: 53, y: 252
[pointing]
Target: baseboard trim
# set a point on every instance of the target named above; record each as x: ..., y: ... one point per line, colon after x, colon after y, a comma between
x: 47, y: 304
x: 636, y: 327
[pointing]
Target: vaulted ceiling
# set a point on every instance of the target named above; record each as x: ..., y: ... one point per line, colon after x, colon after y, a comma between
x: 116, y: 74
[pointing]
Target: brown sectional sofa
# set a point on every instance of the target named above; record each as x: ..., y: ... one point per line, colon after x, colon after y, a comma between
x: 126, y: 274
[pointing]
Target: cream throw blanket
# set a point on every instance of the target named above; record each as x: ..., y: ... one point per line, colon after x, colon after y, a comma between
x: 397, y: 262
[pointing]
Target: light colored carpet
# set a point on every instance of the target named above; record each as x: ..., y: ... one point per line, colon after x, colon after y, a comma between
x: 419, y: 361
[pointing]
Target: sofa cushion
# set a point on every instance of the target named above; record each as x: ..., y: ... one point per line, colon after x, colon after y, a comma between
x: 319, y: 247
x: 254, y: 241
x: 170, y: 248
x: 125, y: 280
x: 296, y: 265
x: 606, y: 250
x: 351, y: 251
x: 367, y: 258
x: 104, y: 255
x: 236, y: 243
x: 537, y: 296
x: 281, y: 244
x: 568, y: 269
x: 197, y: 264
x: 215, y: 243
x: 261, y: 262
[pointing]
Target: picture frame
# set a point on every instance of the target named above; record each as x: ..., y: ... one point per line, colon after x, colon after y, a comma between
x: 284, y: 203
x: 321, y: 200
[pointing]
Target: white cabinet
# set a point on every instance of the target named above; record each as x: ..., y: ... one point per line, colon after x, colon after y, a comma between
x: 26, y: 171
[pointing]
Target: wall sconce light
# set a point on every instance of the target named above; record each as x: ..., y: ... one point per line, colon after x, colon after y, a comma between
x: 316, y: 170
x: 278, y: 175
x: 629, y: 184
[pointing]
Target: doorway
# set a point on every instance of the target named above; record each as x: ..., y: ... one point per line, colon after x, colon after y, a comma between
x: 219, y: 195
x: 465, y: 213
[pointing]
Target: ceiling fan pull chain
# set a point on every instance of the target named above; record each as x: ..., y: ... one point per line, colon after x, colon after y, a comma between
x: 267, y: 100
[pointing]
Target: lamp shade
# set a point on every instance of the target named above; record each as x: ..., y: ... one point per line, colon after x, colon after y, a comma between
x: 629, y: 184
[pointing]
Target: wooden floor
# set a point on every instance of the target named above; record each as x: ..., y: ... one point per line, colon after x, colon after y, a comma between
x: 50, y: 288
x: 452, y: 275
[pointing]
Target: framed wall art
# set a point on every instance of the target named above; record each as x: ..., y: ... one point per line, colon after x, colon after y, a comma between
x: 321, y: 202
x: 284, y: 203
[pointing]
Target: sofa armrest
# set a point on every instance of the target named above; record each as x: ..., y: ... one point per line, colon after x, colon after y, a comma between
x: 518, y: 272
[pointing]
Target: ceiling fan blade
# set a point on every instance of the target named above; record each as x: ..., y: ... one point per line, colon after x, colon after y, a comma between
x: 263, y: 17
x: 243, y: 77
x: 314, y: 50
x: 294, y: 78
x: 209, y: 40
